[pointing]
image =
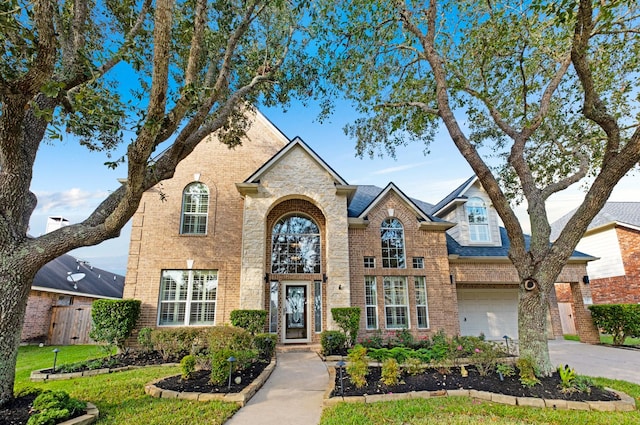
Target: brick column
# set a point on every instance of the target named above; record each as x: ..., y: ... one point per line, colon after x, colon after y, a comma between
x: 587, y: 331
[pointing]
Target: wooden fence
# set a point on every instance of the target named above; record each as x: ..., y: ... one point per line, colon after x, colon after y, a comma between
x: 70, y: 325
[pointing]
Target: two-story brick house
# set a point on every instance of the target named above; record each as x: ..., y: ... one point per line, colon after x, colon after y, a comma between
x: 270, y: 225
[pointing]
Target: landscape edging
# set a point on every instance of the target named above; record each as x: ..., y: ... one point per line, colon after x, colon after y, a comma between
x: 90, y: 416
x: 625, y: 404
x: 40, y: 376
x: 240, y: 398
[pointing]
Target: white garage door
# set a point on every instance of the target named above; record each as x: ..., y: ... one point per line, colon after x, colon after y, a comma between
x: 493, y: 312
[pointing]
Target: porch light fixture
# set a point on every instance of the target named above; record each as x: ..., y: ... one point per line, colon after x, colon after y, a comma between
x: 585, y: 279
x: 324, y: 278
x: 452, y: 279
x: 266, y: 278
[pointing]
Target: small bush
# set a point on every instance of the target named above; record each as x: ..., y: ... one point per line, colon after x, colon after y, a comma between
x: 265, y: 344
x: 174, y: 343
x: 52, y: 407
x: 619, y: 320
x: 253, y: 321
x: 567, y: 376
x: 220, y: 366
x: 485, y: 357
x: 404, y: 337
x: 505, y: 369
x: 374, y: 341
x: 144, y: 339
x: 526, y: 368
x: 333, y: 342
x: 231, y: 337
x: 440, y: 346
x: 358, y: 367
x: 348, y: 319
x: 413, y: 366
x: 114, y: 320
x: 390, y: 372
x: 188, y: 366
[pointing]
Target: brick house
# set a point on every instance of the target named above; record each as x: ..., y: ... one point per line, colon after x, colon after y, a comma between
x: 270, y: 225
x: 59, y: 303
x: 614, y: 238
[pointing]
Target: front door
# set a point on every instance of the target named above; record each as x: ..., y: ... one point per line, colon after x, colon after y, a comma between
x: 296, y: 313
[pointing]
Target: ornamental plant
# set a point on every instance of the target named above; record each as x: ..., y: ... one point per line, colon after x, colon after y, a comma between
x: 252, y: 320
x: 348, y: 319
x: 358, y: 367
x: 52, y: 407
x: 114, y: 320
x: 390, y: 372
x: 619, y: 320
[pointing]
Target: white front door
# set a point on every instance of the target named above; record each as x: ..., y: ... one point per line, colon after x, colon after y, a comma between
x: 297, y: 314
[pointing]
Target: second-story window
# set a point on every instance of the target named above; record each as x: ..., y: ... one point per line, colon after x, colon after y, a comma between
x: 478, y: 220
x: 295, y: 245
x: 392, y: 237
x: 195, y: 209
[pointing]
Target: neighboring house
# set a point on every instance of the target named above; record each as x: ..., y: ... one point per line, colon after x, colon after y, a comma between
x: 269, y: 225
x: 614, y: 237
x: 59, y: 304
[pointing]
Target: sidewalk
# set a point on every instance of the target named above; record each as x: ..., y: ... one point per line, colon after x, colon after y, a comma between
x: 597, y: 360
x: 292, y: 394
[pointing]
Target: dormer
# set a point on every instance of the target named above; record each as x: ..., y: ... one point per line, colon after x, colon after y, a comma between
x: 469, y: 206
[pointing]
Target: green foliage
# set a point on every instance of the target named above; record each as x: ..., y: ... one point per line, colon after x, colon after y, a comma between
x: 413, y: 366
x: 144, y: 339
x: 252, y: 320
x: 404, y: 337
x: 265, y: 343
x: 485, y: 356
x: 187, y: 366
x: 332, y: 342
x: 390, y: 374
x: 174, y: 343
x: 358, y: 366
x: 619, y: 320
x: 527, y: 370
x: 233, y: 338
x: 225, y: 342
x: 52, y: 407
x: 400, y: 354
x: 505, y: 369
x: 372, y: 341
x: 567, y: 376
x: 220, y: 366
x: 348, y: 319
x: 114, y: 320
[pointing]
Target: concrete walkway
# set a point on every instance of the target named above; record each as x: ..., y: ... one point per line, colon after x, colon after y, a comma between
x: 292, y: 395
x: 597, y: 360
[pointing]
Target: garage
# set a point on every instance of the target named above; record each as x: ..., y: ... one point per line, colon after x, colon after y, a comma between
x: 492, y: 312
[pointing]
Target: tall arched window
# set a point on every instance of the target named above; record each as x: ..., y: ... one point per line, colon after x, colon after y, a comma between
x: 295, y: 245
x: 478, y: 220
x: 392, y: 237
x: 195, y: 209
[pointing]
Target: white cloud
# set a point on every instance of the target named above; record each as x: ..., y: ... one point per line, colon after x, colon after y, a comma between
x: 390, y: 170
x: 73, y: 200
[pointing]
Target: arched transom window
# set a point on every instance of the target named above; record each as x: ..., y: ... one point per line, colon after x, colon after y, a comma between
x: 195, y: 209
x: 392, y: 237
x: 478, y: 220
x: 295, y: 245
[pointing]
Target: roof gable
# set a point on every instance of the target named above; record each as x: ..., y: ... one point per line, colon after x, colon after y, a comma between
x: 458, y: 194
x: 393, y: 188
x: 295, y: 143
x: 625, y: 214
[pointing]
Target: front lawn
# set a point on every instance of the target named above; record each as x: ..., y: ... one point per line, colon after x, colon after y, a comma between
x: 607, y: 339
x: 119, y: 396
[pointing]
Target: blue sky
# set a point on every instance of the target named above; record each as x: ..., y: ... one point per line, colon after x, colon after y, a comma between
x: 71, y: 181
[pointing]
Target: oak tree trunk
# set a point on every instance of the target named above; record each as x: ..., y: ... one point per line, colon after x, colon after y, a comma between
x: 533, y: 306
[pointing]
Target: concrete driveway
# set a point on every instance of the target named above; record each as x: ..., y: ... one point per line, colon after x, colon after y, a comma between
x: 597, y: 360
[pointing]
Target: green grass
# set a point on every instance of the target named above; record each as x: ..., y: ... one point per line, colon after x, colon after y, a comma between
x: 119, y: 396
x: 606, y: 339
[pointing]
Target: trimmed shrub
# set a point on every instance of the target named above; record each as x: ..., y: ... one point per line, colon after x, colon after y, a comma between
x: 348, y: 319
x: 188, y: 366
x: 53, y: 407
x: 265, y: 344
x: 619, y: 320
x: 175, y: 343
x: 225, y: 342
x: 332, y: 342
x: 114, y: 320
x: 231, y: 337
x: 252, y: 320
x: 144, y: 339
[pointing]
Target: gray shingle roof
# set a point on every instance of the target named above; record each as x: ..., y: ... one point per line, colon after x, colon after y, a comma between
x: 365, y: 194
x: 453, y: 195
x: 96, y: 282
x: 619, y: 212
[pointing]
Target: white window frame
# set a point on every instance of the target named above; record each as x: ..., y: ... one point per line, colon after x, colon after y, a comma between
x: 371, y: 301
x: 420, y: 286
x: 417, y: 262
x: 369, y: 262
x: 396, y: 297
x: 184, y: 297
x: 195, y: 209
x: 478, y: 219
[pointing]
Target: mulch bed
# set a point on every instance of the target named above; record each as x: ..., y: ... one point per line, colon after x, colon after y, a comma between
x: 432, y: 380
